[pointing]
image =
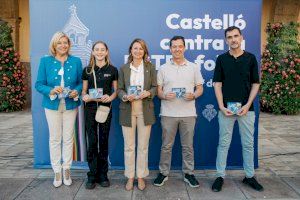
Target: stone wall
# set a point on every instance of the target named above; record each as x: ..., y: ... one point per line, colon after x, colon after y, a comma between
x: 10, y: 13
x: 287, y: 11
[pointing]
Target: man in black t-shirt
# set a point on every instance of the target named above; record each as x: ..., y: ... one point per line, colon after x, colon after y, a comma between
x: 236, y: 84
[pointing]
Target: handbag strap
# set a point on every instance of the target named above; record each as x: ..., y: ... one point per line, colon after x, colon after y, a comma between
x: 95, y: 85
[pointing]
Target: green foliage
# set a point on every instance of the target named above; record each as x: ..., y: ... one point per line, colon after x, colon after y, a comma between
x: 12, y: 74
x: 5, y: 35
x: 280, y: 85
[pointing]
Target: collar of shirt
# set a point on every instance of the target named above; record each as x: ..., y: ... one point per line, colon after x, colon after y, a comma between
x: 182, y: 64
x: 97, y: 68
x: 137, y: 69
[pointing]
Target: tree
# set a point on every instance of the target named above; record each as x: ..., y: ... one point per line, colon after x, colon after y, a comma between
x: 280, y: 79
x: 12, y: 73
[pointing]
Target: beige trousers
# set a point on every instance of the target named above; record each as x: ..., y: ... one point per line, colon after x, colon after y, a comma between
x: 61, y: 128
x: 143, y: 134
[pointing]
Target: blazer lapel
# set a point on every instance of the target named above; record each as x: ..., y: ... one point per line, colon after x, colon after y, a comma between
x: 127, y: 73
x: 146, y: 75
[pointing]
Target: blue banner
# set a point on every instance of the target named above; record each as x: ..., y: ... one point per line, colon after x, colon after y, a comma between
x: 117, y: 23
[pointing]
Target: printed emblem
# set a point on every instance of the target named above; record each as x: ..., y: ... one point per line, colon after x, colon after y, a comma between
x: 78, y: 33
x: 209, y: 112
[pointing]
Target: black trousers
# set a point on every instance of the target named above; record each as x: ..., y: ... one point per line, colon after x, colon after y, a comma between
x: 97, y: 152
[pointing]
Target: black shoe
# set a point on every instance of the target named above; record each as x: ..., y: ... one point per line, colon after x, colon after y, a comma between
x: 253, y: 183
x: 191, y: 180
x: 104, y: 182
x: 90, y: 184
x: 160, y: 180
x: 217, y: 185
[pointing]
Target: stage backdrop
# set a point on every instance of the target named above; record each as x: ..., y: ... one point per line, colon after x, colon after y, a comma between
x: 117, y: 23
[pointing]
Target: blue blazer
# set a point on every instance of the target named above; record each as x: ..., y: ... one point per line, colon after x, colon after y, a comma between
x: 48, y: 78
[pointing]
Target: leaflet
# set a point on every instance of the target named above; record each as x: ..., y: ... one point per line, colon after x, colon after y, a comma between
x: 96, y: 93
x: 65, y: 93
x: 134, y: 89
x: 234, y: 107
x: 180, y: 92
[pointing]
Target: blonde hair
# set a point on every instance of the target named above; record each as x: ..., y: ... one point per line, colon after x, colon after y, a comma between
x: 144, y: 46
x: 53, y: 43
x: 93, y: 59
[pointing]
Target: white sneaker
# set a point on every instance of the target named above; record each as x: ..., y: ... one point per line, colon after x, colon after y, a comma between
x: 67, y: 177
x: 57, y: 180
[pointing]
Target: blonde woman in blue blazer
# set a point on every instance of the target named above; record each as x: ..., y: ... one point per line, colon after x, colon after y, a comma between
x: 59, y: 81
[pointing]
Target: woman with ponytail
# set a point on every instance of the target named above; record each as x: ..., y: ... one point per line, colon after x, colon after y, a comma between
x: 106, y: 76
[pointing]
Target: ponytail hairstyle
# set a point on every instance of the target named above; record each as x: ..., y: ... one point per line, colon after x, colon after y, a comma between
x: 92, y: 62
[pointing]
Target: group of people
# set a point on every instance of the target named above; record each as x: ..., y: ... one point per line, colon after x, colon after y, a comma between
x: 235, y: 80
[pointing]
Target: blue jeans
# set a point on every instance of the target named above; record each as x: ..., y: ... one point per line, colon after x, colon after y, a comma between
x: 246, y: 129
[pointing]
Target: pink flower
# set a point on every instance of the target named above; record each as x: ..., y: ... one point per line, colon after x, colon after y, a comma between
x: 292, y: 64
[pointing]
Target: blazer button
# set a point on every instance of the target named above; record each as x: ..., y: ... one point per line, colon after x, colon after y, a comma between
x: 71, y: 66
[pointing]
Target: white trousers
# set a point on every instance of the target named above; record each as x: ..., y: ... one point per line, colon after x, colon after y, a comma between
x: 129, y: 134
x: 61, y: 124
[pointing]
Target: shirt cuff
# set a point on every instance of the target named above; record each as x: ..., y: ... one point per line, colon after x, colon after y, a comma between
x: 53, y: 96
x: 76, y: 98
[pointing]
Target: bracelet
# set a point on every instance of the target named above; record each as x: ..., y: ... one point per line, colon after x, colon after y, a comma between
x: 124, y: 98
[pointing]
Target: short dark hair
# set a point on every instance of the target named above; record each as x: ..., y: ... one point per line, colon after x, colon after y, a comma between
x: 231, y: 28
x: 177, y: 37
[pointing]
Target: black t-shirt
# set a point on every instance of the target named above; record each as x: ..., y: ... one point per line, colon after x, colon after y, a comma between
x: 104, y: 78
x: 237, y: 76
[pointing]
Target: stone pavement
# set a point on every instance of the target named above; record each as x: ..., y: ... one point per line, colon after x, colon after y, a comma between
x: 279, y: 171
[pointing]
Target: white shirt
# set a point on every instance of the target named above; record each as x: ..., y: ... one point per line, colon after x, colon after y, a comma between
x: 137, y: 75
x: 62, y: 84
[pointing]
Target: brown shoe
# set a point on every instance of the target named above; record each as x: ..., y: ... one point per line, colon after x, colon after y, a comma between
x: 141, y: 184
x: 129, y: 184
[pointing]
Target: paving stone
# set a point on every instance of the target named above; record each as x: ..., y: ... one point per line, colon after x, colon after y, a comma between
x: 7, y: 173
x: 28, y: 173
x: 278, y: 150
x: 10, y: 188
x: 43, y: 189
x: 273, y: 188
x: 229, y: 191
x: 174, y: 188
x: 115, y: 191
x: 294, y: 182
